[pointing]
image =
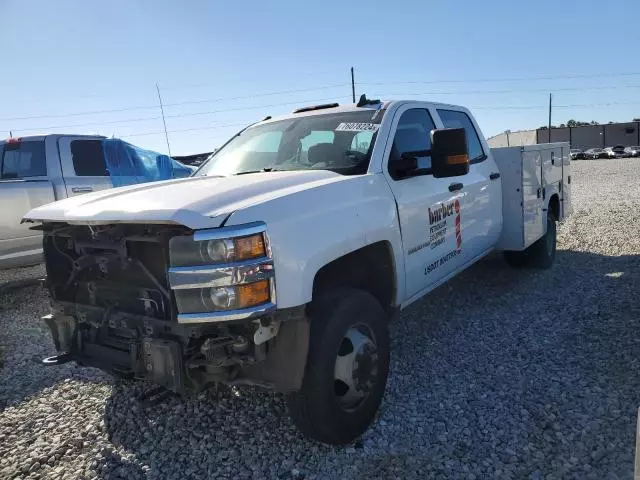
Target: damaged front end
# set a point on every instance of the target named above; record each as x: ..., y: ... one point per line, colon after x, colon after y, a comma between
x: 183, y: 309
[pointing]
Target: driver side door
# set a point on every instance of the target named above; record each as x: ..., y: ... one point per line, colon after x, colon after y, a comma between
x: 429, y: 208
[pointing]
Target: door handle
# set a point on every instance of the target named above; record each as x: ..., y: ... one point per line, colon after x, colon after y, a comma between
x: 494, y: 175
x: 82, y: 189
x: 455, y: 186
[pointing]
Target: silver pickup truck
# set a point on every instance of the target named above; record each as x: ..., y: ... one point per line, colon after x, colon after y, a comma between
x: 37, y: 170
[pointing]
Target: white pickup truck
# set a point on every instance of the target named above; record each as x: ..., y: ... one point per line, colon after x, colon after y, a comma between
x: 281, y: 261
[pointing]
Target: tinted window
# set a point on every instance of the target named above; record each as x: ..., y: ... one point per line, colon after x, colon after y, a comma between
x: 453, y: 119
x: 24, y: 159
x: 414, y: 135
x: 88, y: 158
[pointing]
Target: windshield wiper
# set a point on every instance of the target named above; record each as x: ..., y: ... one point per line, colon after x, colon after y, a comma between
x: 266, y: 169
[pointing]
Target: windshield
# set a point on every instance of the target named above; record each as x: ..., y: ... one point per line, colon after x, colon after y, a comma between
x: 340, y: 142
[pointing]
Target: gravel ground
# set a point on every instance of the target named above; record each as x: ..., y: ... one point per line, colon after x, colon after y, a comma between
x: 14, y: 275
x: 497, y: 374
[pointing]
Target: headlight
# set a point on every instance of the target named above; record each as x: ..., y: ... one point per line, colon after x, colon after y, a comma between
x: 222, y: 274
x: 217, y: 299
x: 188, y: 251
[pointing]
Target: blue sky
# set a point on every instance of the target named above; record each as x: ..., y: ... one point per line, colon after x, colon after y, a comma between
x: 74, y: 66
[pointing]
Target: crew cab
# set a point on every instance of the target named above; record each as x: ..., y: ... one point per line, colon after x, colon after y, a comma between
x: 40, y: 169
x: 280, y: 262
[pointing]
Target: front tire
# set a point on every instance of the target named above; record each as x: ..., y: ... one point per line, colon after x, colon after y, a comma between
x: 346, y: 370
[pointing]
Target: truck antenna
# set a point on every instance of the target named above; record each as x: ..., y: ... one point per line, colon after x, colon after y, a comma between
x: 166, y: 135
x: 353, y: 86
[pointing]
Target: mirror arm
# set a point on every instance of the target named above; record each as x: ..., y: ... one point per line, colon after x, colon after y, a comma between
x: 417, y: 153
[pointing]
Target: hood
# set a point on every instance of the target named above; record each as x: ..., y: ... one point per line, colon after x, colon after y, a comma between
x: 195, y: 202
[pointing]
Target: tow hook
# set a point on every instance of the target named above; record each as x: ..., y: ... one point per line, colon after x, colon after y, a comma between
x: 57, y: 359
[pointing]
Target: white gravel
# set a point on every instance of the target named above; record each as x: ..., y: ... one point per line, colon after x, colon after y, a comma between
x: 497, y: 374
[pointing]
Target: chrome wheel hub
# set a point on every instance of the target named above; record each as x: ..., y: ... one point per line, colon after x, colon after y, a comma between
x: 356, y: 367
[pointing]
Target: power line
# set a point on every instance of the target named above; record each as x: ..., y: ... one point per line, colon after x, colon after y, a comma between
x: 193, y: 102
x: 324, y: 72
x: 178, y: 115
x: 573, y: 105
x: 243, y: 97
x: 236, y: 109
x: 75, y: 114
x: 324, y: 87
x: 89, y: 124
x: 596, y: 104
x: 516, y: 79
x: 256, y: 80
x: 161, y: 132
x: 518, y: 90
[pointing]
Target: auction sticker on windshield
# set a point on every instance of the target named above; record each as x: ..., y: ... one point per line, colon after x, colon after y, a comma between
x: 357, y: 127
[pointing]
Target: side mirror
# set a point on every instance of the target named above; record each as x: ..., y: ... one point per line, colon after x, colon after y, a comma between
x: 449, y: 155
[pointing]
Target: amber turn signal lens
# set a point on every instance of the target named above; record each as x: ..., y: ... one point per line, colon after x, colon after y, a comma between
x: 249, y: 247
x: 457, y: 159
x: 253, y: 294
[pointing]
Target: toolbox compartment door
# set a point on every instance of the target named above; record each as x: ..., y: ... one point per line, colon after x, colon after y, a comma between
x: 522, y: 196
x: 534, y: 222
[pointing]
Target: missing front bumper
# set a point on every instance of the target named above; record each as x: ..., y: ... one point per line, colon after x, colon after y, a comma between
x: 270, y: 352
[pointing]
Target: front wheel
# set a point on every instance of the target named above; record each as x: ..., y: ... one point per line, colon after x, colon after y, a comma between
x: 346, y: 370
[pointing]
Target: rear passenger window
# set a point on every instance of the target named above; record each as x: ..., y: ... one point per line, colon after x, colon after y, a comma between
x: 88, y: 158
x: 23, y: 160
x: 413, y: 134
x: 453, y: 119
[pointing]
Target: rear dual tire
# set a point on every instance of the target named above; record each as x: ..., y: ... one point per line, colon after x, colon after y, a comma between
x: 541, y: 254
x: 347, y: 367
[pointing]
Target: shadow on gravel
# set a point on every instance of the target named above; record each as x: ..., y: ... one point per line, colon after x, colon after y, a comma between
x: 24, y: 342
x: 499, y: 372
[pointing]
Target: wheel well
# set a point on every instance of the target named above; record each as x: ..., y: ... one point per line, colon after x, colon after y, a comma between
x: 554, y: 206
x: 370, y: 268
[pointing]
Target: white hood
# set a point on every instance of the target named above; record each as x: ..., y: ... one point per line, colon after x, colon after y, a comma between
x: 196, y: 202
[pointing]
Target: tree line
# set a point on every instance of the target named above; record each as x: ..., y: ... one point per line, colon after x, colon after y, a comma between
x: 577, y: 123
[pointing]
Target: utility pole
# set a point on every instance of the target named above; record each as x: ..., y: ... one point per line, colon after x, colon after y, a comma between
x: 353, y: 87
x: 10, y: 134
x: 166, y: 135
x: 550, y: 97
